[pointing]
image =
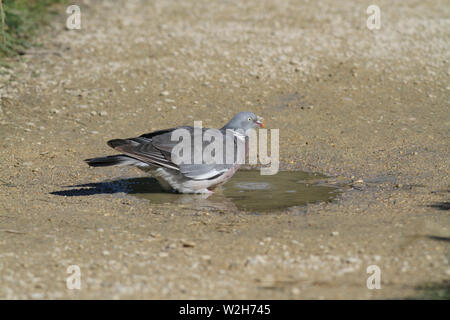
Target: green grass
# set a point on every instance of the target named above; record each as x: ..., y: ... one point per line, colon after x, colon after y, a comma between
x: 19, y: 21
x: 433, y: 291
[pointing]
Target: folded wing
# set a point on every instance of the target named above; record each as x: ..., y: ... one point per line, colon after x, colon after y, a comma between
x: 155, y: 148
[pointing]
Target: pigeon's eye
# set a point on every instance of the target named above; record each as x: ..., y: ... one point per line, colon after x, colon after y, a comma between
x: 249, y: 119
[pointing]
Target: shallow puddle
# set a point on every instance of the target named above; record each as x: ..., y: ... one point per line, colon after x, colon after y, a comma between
x: 247, y: 190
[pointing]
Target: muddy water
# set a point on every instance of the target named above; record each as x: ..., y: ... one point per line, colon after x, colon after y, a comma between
x: 247, y: 191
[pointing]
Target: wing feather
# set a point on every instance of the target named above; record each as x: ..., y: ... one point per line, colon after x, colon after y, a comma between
x: 156, y: 148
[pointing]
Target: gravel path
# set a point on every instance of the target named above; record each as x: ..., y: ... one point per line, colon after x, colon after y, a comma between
x: 369, y: 108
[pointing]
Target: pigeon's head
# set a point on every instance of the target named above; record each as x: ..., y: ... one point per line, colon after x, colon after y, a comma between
x: 244, y: 121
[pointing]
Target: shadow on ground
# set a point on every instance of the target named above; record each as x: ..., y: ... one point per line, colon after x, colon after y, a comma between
x: 149, y: 189
x: 441, y: 205
x: 111, y: 187
x: 433, y: 291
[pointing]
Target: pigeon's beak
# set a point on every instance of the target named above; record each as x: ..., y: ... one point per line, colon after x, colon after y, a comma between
x: 259, y: 122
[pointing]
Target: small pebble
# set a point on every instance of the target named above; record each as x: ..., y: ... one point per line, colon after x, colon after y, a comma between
x: 187, y: 244
x: 37, y: 295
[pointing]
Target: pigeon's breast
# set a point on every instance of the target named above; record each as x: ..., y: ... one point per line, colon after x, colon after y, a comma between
x: 224, y: 177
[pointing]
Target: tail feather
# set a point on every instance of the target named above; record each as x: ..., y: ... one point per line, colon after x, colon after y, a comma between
x: 115, y: 160
x: 118, y: 142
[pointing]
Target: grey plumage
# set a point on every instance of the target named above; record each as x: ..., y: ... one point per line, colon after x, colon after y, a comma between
x: 153, y: 152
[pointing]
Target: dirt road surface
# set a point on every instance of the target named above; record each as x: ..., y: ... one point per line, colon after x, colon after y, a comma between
x: 369, y: 108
